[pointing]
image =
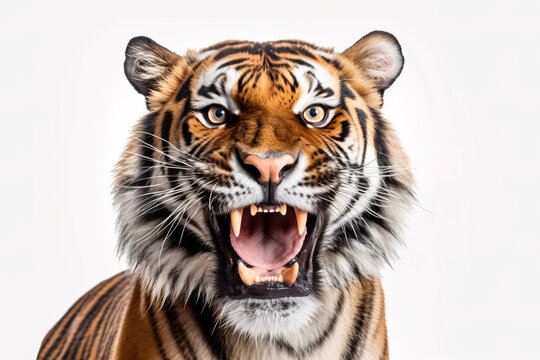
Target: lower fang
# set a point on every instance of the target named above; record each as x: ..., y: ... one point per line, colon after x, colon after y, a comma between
x: 246, y: 274
x: 289, y: 275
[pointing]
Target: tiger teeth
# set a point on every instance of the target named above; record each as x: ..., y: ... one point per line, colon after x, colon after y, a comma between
x: 236, y: 220
x: 253, y: 210
x: 268, y: 278
x: 289, y: 275
x: 301, y: 219
x: 249, y: 275
x: 246, y: 274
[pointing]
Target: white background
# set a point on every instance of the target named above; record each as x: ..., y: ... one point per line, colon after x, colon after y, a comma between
x: 465, y: 106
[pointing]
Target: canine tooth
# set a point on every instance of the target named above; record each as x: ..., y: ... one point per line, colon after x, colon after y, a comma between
x: 253, y: 209
x: 301, y: 219
x: 236, y: 220
x: 289, y: 275
x: 283, y: 209
x: 246, y: 274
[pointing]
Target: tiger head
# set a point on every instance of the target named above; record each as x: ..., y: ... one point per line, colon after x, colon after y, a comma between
x: 263, y: 176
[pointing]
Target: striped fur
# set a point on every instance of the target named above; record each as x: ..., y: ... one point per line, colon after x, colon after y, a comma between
x: 179, y: 168
x: 118, y: 320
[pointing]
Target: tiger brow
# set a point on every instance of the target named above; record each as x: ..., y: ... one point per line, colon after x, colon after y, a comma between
x: 232, y: 62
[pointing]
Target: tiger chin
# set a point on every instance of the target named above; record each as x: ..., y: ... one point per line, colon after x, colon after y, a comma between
x: 258, y: 200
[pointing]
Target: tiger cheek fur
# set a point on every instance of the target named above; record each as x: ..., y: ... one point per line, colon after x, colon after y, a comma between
x: 257, y: 202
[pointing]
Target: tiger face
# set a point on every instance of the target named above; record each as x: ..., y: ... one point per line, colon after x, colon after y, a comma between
x: 263, y: 176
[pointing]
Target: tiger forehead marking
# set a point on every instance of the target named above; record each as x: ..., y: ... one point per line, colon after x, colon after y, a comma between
x: 266, y: 85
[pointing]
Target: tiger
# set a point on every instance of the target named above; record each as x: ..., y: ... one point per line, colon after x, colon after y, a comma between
x: 257, y: 202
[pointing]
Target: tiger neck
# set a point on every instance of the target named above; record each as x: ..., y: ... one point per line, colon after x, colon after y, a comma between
x: 350, y: 323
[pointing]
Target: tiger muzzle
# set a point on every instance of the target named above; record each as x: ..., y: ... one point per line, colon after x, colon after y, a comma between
x: 268, y: 169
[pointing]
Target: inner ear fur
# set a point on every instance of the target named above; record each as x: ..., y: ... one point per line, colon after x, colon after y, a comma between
x: 378, y: 55
x: 146, y: 63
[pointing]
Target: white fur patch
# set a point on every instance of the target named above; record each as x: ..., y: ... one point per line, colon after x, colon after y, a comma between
x: 383, y: 62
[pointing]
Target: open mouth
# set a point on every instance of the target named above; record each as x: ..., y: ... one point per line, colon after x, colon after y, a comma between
x: 268, y: 250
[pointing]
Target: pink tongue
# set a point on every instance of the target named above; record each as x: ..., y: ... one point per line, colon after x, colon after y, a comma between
x: 267, y: 240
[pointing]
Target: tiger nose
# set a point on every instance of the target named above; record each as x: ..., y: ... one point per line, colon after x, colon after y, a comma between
x: 270, y: 169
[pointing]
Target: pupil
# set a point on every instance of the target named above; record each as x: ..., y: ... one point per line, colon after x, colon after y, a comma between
x: 219, y: 113
x: 313, y: 112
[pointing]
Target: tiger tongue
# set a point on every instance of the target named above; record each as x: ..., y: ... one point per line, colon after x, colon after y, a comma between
x: 267, y: 240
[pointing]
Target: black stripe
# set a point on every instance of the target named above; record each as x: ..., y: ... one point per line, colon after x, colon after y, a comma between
x: 300, y: 62
x: 296, y: 42
x: 166, y: 128
x: 165, y: 131
x: 155, y: 213
x: 326, y: 92
x: 344, y: 131
x: 305, y: 350
x: 332, y: 62
x: 205, y: 318
x: 186, y: 134
x: 200, y: 147
x: 155, y: 332
x: 112, y: 336
x: 184, y: 92
x: 361, y: 115
x: 251, y: 49
x: 109, y: 329
x: 221, y: 45
x: 186, y: 239
x: 147, y: 140
x: 293, y: 51
x: 232, y: 62
x: 381, y: 147
x: 59, y: 337
x: 385, y: 349
x: 361, y: 324
x: 178, y: 332
x: 345, y: 92
x: 89, y: 317
x: 110, y: 307
x: 244, y: 79
x: 359, y: 182
x: 207, y: 91
x: 375, y: 208
x: 383, y: 155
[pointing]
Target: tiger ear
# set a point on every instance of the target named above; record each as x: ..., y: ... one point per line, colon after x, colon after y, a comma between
x: 146, y: 63
x: 378, y: 55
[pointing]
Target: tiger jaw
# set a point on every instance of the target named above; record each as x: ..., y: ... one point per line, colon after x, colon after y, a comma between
x: 268, y: 250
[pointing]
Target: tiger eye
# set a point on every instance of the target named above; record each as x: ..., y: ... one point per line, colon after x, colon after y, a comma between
x: 314, y: 114
x: 217, y: 115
